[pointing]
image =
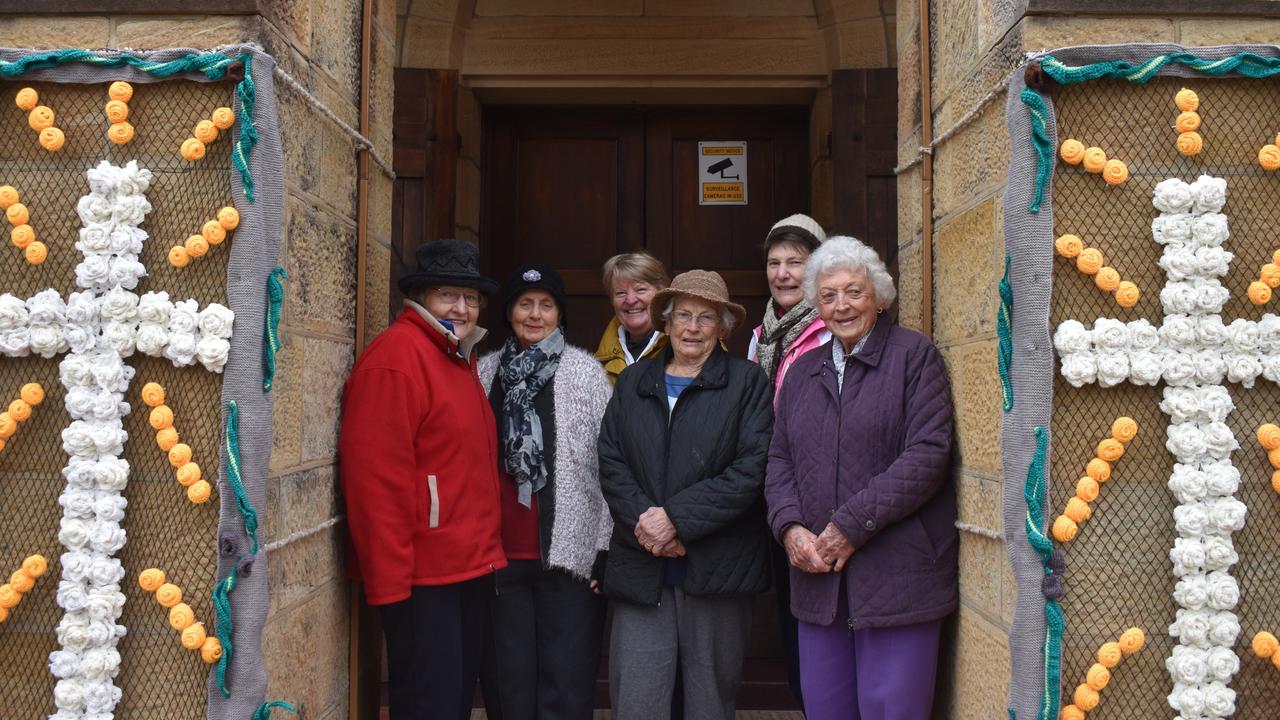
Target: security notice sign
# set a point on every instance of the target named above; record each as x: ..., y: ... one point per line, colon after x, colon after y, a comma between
x: 722, y: 172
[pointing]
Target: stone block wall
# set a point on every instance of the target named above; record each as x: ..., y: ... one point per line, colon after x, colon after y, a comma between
x: 318, y: 43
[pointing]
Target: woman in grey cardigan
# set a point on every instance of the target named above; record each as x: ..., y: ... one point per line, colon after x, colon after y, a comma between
x: 548, y: 398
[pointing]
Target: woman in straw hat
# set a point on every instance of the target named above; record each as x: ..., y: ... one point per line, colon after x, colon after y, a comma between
x: 683, y: 448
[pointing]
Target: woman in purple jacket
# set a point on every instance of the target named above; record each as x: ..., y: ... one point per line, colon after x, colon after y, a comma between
x: 860, y: 493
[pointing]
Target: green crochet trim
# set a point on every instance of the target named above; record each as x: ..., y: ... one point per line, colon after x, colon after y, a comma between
x: 264, y: 710
x: 212, y: 65
x: 1043, y: 146
x: 222, y: 610
x: 1004, y: 329
x: 247, y: 511
x: 1055, y: 622
x: 271, y: 335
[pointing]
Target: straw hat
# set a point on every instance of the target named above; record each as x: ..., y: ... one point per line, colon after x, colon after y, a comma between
x: 701, y: 284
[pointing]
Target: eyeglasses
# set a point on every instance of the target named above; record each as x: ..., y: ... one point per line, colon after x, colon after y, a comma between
x: 829, y: 297
x: 684, y: 317
x: 450, y: 297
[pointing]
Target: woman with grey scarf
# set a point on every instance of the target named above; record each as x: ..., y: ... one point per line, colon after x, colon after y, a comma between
x: 547, y: 617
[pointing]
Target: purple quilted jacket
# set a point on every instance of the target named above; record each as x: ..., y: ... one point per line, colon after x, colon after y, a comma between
x: 876, y: 460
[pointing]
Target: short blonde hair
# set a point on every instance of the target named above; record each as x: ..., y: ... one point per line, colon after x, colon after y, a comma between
x: 639, y: 266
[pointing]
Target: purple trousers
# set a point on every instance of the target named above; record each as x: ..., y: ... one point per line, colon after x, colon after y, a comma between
x: 869, y: 674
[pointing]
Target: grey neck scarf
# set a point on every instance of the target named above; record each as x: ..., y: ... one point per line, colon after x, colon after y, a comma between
x: 524, y: 373
x: 780, y: 333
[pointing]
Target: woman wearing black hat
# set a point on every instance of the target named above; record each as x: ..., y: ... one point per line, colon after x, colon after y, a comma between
x: 547, y: 615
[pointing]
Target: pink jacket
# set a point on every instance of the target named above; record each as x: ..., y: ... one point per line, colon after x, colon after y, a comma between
x: 813, y: 336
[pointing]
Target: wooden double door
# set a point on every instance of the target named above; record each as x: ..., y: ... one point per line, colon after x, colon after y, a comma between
x: 570, y: 187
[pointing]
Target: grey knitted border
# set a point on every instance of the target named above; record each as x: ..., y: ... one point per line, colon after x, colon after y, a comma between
x: 254, y: 254
x: 1028, y: 239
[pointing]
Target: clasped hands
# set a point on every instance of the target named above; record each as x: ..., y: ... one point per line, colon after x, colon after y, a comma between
x: 657, y: 535
x: 828, y: 552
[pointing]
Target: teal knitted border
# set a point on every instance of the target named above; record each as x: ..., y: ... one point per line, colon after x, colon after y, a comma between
x: 212, y: 65
x: 222, y: 611
x: 271, y: 335
x: 247, y: 511
x: 1034, y: 492
x: 1004, y: 330
x: 1249, y: 65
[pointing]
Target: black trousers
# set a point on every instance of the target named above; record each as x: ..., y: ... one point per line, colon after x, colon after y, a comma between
x: 435, y: 644
x: 544, y: 645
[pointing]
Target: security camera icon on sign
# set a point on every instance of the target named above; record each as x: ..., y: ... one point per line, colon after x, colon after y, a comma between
x: 721, y: 168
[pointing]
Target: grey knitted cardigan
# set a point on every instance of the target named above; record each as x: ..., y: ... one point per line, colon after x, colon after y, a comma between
x: 582, y: 524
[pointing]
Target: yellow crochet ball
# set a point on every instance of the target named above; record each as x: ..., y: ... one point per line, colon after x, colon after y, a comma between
x: 1269, y: 158
x: 1187, y: 100
x: 1109, y: 654
x: 1190, y: 143
x: 1268, y: 435
x: 213, y: 232
x: 52, y: 139
x: 1077, y: 510
x: 120, y: 90
x: 179, y: 455
x: 1065, y: 529
x: 21, y: 236
x: 9, y: 597
x: 228, y: 218
x: 192, y: 149
x: 20, y: 410
x: 1270, y: 274
x: 151, y: 579
x: 199, y: 492
x: 8, y: 426
x: 1124, y: 429
x: 40, y: 118
x: 26, y: 99
x: 36, y: 252
x: 205, y: 131
x: 1068, y: 246
x: 21, y: 581
x: 179, y: 257
x: 223, y: 118
x: 181, y: 616
x: 188, y: 474
x: 120, y: 133
x: 153, y: 394
x: 193, y: 636
x: 1132, y: 640
x: 1188, y: 121
x: 1098, y: 676
x: 1094, y: 159
x: 1110, y: 449
x: 8, y: 196
x: 1127, y: 294
x: 168, y: 595
x: 1115, y: 172
x: 35, y: 565
x: 197, y: 246
x: 161, y: 417
x: 1265, y: 644
x: 17, y: 214
x: 1259, y: 293
x: 1107, y: 279
x: 167, y: 438
x: 1089, y: 261
x: 1087, y: 489
x: 211, y: 650
x: 1085, y: 697
x: 33, y: 393
x: 1072, y: 152
x: 116, y: 111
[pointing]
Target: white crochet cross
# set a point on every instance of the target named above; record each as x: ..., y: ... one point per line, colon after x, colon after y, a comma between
x: 98, y: 329
x: 1194, y: 353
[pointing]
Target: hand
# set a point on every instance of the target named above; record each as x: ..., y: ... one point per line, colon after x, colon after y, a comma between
x: 654, y: 529
x: 596, y: 587
x: 834, y: 548
x: 673, y: 549
x: 799, y: 543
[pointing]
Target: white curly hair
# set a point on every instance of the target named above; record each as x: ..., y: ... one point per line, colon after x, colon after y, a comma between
x: 842, y: 252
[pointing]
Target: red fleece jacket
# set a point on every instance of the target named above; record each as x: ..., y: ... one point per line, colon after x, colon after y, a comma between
x: 418, y: 462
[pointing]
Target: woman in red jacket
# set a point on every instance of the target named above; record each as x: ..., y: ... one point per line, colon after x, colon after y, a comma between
x: 419, y: 470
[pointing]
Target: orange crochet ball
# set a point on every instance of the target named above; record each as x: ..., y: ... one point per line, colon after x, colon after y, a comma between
x: 1127, y: 294
x: 1099, y: 470
x: 168, y: 595
x: 1270, y: 275
x: 205, y: 131
x: 211, y: 650
x: 1132, y: 640
x: 1107, y: 279
x: 193, y: 636
x: 1072, y: 152
x: 21, y: 581
x: 1068, y: 246
x: 20, y: 410
x: 1094, y: 159
x: 188, y: 474
x: 1, y: 444
x: 153, y: 394
x: 17, y: 214
x: 1188, y: 121
x: 1187, y: 100
x: 1065, y: 529
x: 1275, y: 257
x: 1269, y: 158
x: 9, y: 597
x: 1089, y: 261
x: 1265, y: 644
x: 1275, y: 481
x: 4, y: 615
x: 213, y: 232
x: 1085, y: 697
x: 36, y: 252
x: 1098, y: 676
x: 223, y: 118
x: 1115, y: 172
x: 8, y: 196
x: 120, y: 133
x: 8, y: 426
x: 1273, y: 457
x: 1087, y: 489
x: 181, y: 617
x: 52, y: 139
x: 179, y: 455
x: 199, y: 492
x: 120, y: 90
x: 1078, y: 510
x: 1275, y: 660
x: 35, y: 565
x: 1268, y: 435
x: 1190, y: 143
x: 192, y: 149
x: 161, y: 417
x: 1071, y: 712
x: 26, y: 99
x: 116, y: 111
x: 151, y: 579
x: 1109, y: 654
x: 1259, y: 293
x: 167, y: 438
x: 228, y: 218
x: 33, y: 393
x: 40, y: 118
x: 1124, y: 429
x: 179, y: 257
x: 197, y: 246
x: 1110, y: 450
x: 22, y: 235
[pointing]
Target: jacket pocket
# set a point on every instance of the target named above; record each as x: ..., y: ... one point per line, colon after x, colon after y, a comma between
x: 433, y: 502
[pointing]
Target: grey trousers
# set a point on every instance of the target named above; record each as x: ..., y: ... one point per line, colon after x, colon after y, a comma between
x: 708, y: 634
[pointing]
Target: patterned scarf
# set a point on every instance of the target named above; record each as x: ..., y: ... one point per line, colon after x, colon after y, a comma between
x: 524, y: 373
x: 780, y: 333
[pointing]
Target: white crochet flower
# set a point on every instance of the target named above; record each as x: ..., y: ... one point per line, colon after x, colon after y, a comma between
x: 1268, y: 327
x: 1186, y: 442
x: 1243, y: 369
x: 1172, y: 196
x: 1110, y: 335
x: 1210, y: 296
x: 1227, y: 514
x: 93, y: 210
x: 1219, y: 553
x: 1191, y: 521
x: 1191, y: 627
x: 1179, y: 368
x: 1224, y: 628
x: 1223, y: 665
x: 1208, y: 194
x: 151, y: 339
x: 64, y: 663
x: 154, y: 307
x: 1187, y: 556
x: 1210, y: 332
x: 1113, y: 368
x: 1188, y: 484
x: 1179, y: 263
x: 212, y: 352
x: 1215, y: 403
x: 1219, y: 700
x: 1210, y: 230
x: 1079, y: 369
x: 1188, y: 699
x: 1188, y: 665
x: 217, y: 320
x: 1210, y: 367
x: 1145, y: 368
x: 1072, y: 338
x: 125, y: 271
x: 1181, y: 404
x: 1213, y: 261
x: 95, y: 237
x: 1218, y: 441
x: 1180, y: 332
x: 119, y: 305
x: 1142, y: 335
x: 1222, y: 591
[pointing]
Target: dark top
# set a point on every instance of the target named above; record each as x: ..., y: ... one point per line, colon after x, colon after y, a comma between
x: 518, y: 521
